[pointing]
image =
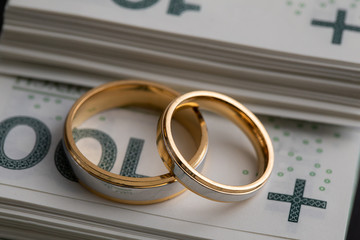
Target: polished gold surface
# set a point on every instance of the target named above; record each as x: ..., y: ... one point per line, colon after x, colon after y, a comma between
x: 239, y: 115
x: 131, y: 93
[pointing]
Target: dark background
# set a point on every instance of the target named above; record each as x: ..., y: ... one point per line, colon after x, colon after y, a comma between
x: 2, y: 6
x: 354, y: 226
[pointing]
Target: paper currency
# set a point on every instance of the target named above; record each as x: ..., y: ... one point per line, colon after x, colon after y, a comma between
x: 309, y: 194
x: 289, y: 58
x: 259, y: 25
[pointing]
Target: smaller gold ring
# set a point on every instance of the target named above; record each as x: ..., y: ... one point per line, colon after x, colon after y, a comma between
x: 238, y: 114
x: 119, y: 188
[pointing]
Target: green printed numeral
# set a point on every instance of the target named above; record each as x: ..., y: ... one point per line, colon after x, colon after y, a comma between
x: 62, y: 163
x: 43, y: 142
x: 132, y: 157
x: 108, y: 156
x: 136, y: 5
x: 40, y: 149
x: 107, y: 159
x: 176, y: 7
x: 108, y: 146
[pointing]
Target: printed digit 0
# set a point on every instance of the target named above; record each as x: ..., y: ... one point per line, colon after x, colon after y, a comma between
x: 40, y: 149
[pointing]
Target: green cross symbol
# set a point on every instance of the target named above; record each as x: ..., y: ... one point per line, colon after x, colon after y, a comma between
x: 339, y: 26
x: 132, y: 157
x: 297, y: 200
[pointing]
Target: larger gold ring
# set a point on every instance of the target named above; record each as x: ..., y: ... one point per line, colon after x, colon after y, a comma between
x: 238, y: 114
x: 121, y: 188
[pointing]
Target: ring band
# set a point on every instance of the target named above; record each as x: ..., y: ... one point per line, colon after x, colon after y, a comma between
x: 238, y: 114
x: 119, y: 188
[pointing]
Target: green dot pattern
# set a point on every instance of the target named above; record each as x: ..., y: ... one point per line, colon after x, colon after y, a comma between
x: 310, y: 145
x: 46, y: 99
x: 37, y: 106
x: 102, y: 118
x: 298, y: 7
x: 58, y: 118
x: 245, y: 172
x: 31, y: 97
x: 58, y: 101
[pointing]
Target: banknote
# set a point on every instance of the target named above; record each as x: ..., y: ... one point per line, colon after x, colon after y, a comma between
x: 290, y: 50
x: 309, y: 194
x: 320, y: 29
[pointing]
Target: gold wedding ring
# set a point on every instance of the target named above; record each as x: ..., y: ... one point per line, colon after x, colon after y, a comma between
x: 239, y: 115
x: 121, y: 188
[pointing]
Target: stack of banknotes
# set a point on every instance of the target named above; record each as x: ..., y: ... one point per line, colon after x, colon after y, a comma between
x: 290, y: 58
x: 295, y: 63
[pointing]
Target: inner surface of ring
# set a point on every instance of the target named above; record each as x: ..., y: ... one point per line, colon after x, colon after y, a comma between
x: 139, y: 94
x: 245, y: 120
